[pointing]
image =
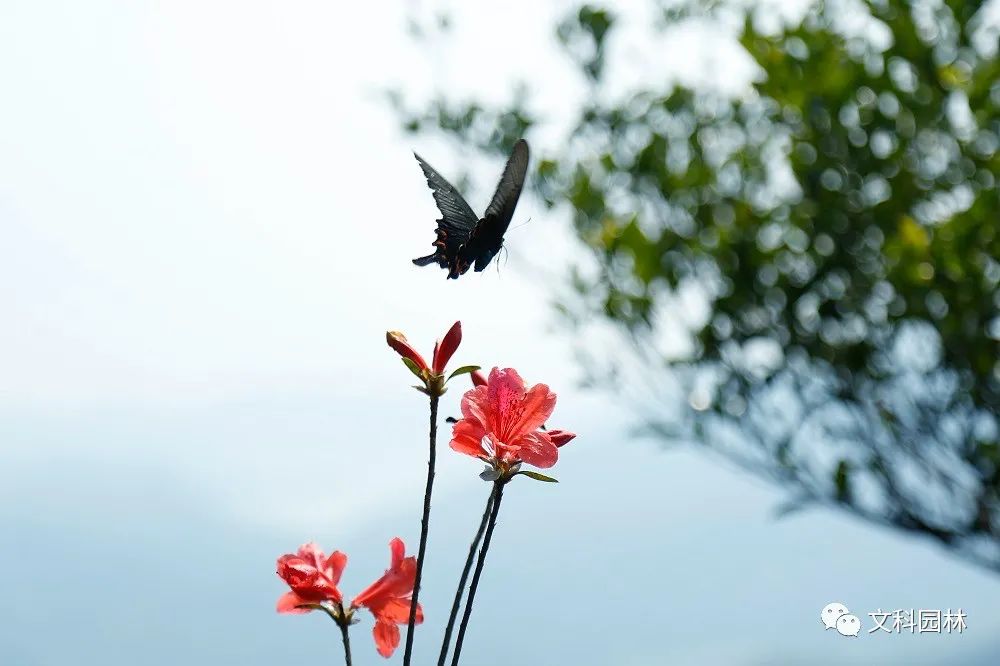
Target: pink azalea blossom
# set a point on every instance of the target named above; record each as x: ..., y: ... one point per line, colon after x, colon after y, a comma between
x: 502, y: 421
x: 388, y: 599
x: 312, y: 576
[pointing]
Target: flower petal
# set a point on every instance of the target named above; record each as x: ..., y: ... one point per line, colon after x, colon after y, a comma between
x: 397, y: 581
x: 538, y: 450
x: 292, y: 562
x: 535, y: 409
x: 295, y: 571
x: 335, y: 566
x: 467, y: 437
x: 313, y: 554
x: 561, y: 437
x: 289, y: 600
x: 398, y: 342
x: 476, y: 405
x: 504, y: 394
x: 386, y: 637
x: 398, y: 551
x: 478, y: 379
x: 398, y: 610
x: 366, y: 595
x: 504, y: 384
x: 444, y: 352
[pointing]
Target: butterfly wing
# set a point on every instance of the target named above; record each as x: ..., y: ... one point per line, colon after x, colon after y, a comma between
x: 455, y: 226
x: 509, y: 188
x: 501, y: 209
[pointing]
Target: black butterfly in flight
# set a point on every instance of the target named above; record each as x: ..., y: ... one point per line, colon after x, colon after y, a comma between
x: 464, y: 239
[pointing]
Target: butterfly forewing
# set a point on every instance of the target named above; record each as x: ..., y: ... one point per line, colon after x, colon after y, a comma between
x: 501, y: 208
x: 459, y: 220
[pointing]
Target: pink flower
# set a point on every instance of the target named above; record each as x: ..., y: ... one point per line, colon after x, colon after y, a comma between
x: 388, y: 599
x: 312, y: 576
x: 502, y: 421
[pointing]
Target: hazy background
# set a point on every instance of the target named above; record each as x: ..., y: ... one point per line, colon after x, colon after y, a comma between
x: 206, y: 221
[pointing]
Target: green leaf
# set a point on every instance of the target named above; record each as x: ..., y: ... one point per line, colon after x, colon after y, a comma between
x: 538, y: 477
x: 414, y: 368
x: 464, y: 370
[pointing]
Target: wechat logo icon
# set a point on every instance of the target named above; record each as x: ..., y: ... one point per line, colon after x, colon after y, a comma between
x: 836, y: 616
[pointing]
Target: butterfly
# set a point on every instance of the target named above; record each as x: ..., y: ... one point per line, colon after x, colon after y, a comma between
x: 464, y: 239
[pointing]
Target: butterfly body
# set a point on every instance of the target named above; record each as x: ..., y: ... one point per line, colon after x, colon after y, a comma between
x: 464, y: 239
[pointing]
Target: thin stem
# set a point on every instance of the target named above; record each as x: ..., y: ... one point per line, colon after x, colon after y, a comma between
x: 343, y: 621
x: 497, y: 496
x: 445, y: 643
x: 347, y: 642
x: 424, y: 524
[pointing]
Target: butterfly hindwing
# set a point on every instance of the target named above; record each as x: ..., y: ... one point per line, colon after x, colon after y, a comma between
x: 457, y: 219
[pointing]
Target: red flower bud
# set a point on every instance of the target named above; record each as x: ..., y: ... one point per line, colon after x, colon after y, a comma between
x: 560, y: 437
x: 399, y: 343
x: 444, y: 350
x: 478, y: 378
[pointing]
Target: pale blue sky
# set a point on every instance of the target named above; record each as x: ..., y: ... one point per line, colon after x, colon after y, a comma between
x: 206, y: 221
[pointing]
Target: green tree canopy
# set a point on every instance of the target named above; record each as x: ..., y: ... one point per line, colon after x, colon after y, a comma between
x: 840, y: 223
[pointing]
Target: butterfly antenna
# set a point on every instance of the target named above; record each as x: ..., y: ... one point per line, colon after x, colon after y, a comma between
x: 521, y: 225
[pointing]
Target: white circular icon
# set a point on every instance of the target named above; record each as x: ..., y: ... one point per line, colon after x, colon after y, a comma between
x: 831, y: 613
x: 848, y: 625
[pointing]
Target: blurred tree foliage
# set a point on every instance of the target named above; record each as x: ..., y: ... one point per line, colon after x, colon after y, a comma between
x: 841, y: 223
